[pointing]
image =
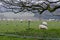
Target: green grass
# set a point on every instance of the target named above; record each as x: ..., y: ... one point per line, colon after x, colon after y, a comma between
x: 18, y: 28
x: 13, y: 26
x: 13, y: 38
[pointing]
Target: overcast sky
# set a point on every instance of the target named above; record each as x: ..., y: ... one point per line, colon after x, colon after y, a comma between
x: 29, y: 14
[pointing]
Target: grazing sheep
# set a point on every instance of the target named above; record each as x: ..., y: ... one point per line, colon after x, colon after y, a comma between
x: 21, y: 20
x: 43, y: 26
x: 12, y: 19
x: 0, y: 19
x: 8, y: 19
x: 51, y: 19
x: 44, y: 23
x: 4, y: 19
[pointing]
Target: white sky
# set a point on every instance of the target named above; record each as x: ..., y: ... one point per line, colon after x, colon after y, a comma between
x: 1, y: 3
x: 53, y: 0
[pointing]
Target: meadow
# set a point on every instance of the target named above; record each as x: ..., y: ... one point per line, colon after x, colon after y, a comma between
x: 10, y: 28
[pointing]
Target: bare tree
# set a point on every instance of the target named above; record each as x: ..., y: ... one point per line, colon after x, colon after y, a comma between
x: 31, y: 5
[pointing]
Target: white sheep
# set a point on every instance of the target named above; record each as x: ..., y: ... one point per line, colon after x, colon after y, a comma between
x: 21, y: 20
x: 44, y: 23
x: 43, y: 26
x: 8, y: 19
x: 4, y: 19
x: 12, y: 19
x: 0, y: 19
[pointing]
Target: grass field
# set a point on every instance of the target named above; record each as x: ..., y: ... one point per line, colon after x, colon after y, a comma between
x: 21, y: 29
